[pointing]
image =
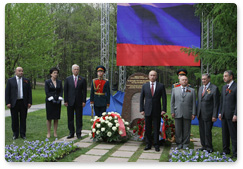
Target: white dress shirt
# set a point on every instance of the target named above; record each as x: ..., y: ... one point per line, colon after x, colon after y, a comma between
x: 154, y: 86
x: 230, y: 83
x: 21, y: 86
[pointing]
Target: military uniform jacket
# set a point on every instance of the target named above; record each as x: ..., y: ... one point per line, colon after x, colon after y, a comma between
x: 100, y: 92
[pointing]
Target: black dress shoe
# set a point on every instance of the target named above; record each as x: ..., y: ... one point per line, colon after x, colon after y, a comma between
x: 157, y: 149
x: 70, y: 136
x: 147, y: 147
x: 201, y: 149
x: 15, y: 137
x: 23, y: 137
x: 79, y: 137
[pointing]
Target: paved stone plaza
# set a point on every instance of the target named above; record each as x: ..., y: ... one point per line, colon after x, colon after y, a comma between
x: 117, y: 153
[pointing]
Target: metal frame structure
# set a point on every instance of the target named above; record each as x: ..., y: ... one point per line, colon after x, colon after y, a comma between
x: 122, y: 78
x: 206, y: 40
x: 105, y: 29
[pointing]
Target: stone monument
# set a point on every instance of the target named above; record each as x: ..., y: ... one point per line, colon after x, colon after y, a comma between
x: 131, y: 103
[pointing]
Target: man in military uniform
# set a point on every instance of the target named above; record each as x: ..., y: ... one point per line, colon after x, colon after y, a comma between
x: 100, y: 92
x: 180, y: 72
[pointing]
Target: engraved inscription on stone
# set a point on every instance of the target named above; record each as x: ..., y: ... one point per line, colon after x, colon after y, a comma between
x: 135, y: 107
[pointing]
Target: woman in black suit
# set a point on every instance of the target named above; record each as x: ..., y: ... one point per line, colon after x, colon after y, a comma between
x: 54, y: 92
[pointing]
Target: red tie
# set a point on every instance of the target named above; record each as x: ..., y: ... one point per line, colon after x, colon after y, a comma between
x: 204, y: 91
x: 152, y: 89
x: 75, y: 82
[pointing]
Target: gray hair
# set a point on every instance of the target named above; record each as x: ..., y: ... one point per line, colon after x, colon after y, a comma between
x: 75, y: 65
x: 206, y: 74
x: 230, y: 72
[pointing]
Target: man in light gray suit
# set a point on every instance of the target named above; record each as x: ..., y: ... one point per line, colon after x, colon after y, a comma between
x: 207, y: 112
x: 183, y: 109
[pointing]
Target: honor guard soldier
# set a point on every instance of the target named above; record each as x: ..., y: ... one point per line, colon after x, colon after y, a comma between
x: 180, y: 72
x: 100, y: 92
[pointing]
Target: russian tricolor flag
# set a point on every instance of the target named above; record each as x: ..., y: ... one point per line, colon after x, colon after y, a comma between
x: 153, y: 34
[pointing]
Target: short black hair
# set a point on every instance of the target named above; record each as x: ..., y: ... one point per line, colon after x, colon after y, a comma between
x: 54, y: 69
x: 230, y: 72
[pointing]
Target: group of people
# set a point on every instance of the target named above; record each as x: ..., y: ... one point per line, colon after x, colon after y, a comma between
x: 18, y: 97
x: 184, y: 109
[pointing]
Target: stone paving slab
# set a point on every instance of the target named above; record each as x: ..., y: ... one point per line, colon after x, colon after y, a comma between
x: 144, y: 160
x: 80, y: 144
x: 96, y: 152
x: 88, y: 140
x: 150, y: 156
x: 132, y: 143
x: 116, y: 160
x: 122, y: 154
x: 104, y: 146
x: 87, y: 158
x: 128, y: 148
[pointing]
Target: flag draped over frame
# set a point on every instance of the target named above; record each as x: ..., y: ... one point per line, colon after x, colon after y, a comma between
x: 153, y: 34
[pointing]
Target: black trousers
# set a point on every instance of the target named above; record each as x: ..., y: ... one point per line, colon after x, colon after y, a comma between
x: 205, y: 129
x: 99, y: 110
x: 18, y: 116
x: 152, y: 122
x: 79, y: 119
x: 229, y: 130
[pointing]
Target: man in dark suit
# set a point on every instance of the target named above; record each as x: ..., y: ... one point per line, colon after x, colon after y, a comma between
x: 75, y: 91
x: 228, y: 114
x: 18, y: 97
x: 207, y: 112
x: 152, y: 92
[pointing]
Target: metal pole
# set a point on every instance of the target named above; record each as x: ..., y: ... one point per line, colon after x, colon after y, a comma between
x: 112, y: 61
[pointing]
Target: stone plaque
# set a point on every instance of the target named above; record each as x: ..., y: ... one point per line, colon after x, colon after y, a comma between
x: 131, y: 103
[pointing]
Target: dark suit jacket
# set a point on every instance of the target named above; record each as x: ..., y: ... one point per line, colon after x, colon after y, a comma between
x: 75, y: 95
x: 228, y: 105
x: 51, y: 90
x: 11, y: 92
x: 208, y: 104
x: 153, y: 103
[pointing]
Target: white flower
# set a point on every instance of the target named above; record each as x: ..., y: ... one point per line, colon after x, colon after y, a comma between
x: 115, y: 117
x: 104, y: 113
x: 109, y: 113
x: 110, y: 124
x: 96, y: 117
x: 128, y: 128
x: 106, y: 117
x: 126, y: 123
x: 120, y: 132
x: 102, y: 120
x: 110, y: 118
x: 90, y: 134
x: 123, y: 120
x: 93, y: 130
x: 117, y: 124
x: 98, y: 132
x: 91, y: 120
x: 106, y: 121
x: 97, y: 125
x: 103, y: 129
x: 109, y: 134
x: 116, y: 121
x: 114, y: 128
x: 91, y: 127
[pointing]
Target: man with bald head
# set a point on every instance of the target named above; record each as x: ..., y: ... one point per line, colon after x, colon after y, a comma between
x: 18, y: 97
x: 150, y: 106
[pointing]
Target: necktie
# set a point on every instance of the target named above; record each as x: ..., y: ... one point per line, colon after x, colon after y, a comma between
x: 19, y: 88
x: 152, y: 89
x: 227, y: 88
x: 183, y: 91
x: 204, y: 89
x: 75, y: 82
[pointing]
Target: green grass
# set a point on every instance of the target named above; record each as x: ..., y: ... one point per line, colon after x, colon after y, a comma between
x: 36, y: 127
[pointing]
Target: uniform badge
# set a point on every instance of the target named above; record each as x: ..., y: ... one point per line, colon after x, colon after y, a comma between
x: 208, y: 91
